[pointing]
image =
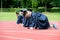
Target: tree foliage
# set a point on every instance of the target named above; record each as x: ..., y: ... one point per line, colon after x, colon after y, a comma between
x: 29, y: 3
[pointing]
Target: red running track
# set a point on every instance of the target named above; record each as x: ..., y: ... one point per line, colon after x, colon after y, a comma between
x: 9, y: 30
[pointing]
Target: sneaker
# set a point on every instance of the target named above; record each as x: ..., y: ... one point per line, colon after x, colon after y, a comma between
x: 31, y: 28
x: 54, y: 26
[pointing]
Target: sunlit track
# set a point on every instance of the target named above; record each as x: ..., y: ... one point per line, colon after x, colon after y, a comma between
x: 12, y: 31
x: 18, y: 38
x: 44, y: 33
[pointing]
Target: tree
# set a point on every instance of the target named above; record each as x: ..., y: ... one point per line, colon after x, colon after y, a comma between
x: 55, y: 3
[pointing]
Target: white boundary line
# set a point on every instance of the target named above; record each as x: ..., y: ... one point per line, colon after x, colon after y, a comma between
x: 15, y: 38
x: 33, y: 32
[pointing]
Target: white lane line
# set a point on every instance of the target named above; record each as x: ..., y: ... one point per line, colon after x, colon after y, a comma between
x: 19, y: 38
x: 33, y: 32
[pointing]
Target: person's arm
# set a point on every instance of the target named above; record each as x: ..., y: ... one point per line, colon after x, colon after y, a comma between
x: 17, y: 15
x: 19, y: 19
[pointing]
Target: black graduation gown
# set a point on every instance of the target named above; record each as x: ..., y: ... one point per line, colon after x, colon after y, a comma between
x: 40, y: 21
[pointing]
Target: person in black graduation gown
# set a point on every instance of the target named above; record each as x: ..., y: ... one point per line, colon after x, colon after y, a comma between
x: 19, y: 15
x: 41, y: 21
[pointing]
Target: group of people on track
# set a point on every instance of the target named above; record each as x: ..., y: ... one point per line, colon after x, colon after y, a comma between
x: 32, y: 19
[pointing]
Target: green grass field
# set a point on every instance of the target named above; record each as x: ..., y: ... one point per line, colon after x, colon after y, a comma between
x: 53, y: 16
x: 7, y: 16
x: 11, y: 16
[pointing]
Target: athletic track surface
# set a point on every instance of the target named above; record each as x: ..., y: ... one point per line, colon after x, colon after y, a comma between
x: 9, y: 30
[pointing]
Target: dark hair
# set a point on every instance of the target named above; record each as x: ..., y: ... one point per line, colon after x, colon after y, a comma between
x: 24, y: 13
x: 29, y: 10
x: 21, y: 10
x: 17, y: 12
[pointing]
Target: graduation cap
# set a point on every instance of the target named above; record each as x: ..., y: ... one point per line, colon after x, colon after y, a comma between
x: 21, y: 11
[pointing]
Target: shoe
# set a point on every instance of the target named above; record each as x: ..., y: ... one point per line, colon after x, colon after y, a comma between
x: 31, y: 28
x: 54, y: 26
